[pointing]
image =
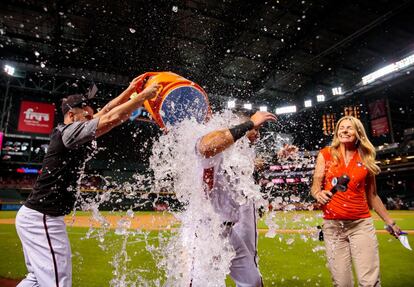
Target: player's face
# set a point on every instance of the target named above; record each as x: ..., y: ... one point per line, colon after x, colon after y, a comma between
x: 88, y: 113
x: 82, y: 114
x: 346, y: 132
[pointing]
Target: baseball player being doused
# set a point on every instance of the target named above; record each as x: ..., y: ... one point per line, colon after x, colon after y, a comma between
x: 39, y: 222
x: 230, y: 192
x: 226, y: 190
x: 239, y: 220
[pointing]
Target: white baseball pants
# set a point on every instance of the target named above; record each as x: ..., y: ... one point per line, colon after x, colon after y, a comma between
x: 243, y: 237
x: 46, y: 249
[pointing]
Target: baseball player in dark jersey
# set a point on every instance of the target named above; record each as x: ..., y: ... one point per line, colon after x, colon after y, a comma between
x: 239, y: 220
x: 39, y: 222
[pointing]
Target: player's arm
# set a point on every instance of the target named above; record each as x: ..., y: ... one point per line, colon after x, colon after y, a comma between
x: 122, y: 98
x: 122, y: 112
x: 215, y: 142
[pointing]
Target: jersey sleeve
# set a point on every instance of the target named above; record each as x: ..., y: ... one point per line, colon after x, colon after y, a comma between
x: 78, y: 133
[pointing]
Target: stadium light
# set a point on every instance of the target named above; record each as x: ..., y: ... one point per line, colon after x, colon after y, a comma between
x: 320, y: 98
x: 394, y: 67
x: 286, y: 110
x: 231, y: 104
x: 263, y: 109
x: 247, y: 106
x: 308, y: 103
x: 337, y: 91
x: 9, y: 70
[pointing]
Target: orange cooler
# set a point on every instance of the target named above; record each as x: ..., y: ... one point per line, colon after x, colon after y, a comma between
x: 179, y: 99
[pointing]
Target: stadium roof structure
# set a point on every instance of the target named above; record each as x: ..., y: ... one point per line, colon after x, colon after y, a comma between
x: 265, y: 52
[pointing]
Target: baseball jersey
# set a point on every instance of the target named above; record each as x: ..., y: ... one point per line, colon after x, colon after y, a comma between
x: 221, y: 191
x: 218, y: 188
x: 54, y: 191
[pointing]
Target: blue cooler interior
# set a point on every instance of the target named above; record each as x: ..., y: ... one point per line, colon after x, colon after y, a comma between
x: 184, y: 103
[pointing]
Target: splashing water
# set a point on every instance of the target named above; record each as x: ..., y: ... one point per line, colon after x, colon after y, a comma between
x: 189, y: 255
x: 269, y: 220
x: 123, y: 274
x: 198, y: 252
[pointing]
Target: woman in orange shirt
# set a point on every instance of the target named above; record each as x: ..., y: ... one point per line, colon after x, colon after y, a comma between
x: 348, y: 228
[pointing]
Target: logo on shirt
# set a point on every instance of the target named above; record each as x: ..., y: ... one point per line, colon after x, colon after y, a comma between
x: 334, y: 181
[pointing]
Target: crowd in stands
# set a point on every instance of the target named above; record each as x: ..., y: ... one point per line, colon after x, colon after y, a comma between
x: 398, y: 203
x: 28, y: 180
x: 17, y: 182
x: 91, y: 182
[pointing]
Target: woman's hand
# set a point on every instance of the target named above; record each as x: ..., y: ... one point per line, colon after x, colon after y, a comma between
x: 394, y: 229
x: 323, y: 196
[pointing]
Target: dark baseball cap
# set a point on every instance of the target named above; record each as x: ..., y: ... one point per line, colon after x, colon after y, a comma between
x: 74, y: 101
x: 79, y: 100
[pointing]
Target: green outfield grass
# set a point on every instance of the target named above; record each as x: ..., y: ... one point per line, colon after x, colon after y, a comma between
x: 286, y: 260
x: 306, y: 219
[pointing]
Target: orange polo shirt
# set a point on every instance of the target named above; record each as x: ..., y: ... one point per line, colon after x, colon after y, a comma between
x: 351, y: 204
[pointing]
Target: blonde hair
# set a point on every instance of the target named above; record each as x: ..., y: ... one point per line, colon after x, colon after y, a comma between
x: 365, y: 148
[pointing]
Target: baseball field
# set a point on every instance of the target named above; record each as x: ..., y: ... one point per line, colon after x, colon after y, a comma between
x: 293, y: 257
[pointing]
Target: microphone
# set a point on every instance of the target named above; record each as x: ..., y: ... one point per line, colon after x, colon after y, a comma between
x: 340, y: 184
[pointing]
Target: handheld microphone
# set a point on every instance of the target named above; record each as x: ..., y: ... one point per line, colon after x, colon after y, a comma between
x: 340, y: 184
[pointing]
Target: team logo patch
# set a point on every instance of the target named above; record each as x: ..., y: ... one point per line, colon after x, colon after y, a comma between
x: 334, y: 181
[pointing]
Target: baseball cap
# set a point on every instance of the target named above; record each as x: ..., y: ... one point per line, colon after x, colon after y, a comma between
x: 74, y: 101
x: 79, y: 100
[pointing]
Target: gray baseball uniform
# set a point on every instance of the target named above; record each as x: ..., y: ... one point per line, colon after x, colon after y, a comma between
x: 39, y: 222
x: 240, y: 221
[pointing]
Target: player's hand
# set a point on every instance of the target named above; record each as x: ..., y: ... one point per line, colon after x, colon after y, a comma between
x: 259, y: 164
x: 150, y: 91
x: 137, y: 84
x: 323, y: 197
x: 287, y: 151
x: 259, y: 118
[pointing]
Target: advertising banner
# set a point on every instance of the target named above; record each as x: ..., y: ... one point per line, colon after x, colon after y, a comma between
x: 377, y: 109
x: 36, y: 117
x: 379, y: 119
x: 380, y: 126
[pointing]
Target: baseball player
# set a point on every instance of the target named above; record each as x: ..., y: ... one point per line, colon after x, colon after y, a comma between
x: 39, y: 222
x: 239, y: 221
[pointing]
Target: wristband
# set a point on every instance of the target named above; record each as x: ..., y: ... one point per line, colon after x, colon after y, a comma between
x: 134, y: 95
x: 240, y: 130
